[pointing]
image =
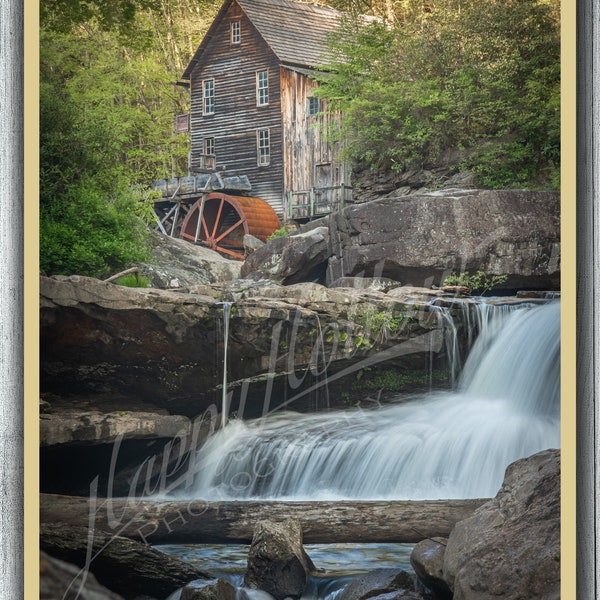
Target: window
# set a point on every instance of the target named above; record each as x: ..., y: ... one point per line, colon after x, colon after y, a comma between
x: 264, y: 147
x: 236, y: 32
x: 209, y: 96
x: 262, y: 88
x: 209, y: 146
x: 313, y: 107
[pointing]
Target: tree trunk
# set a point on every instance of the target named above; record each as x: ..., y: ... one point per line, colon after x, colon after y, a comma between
x: 197, y: 521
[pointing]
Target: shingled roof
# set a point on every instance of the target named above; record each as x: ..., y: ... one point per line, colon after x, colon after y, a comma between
x: 296, y: 32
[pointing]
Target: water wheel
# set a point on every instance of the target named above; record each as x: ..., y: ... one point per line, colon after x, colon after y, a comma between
x: 219, y: 221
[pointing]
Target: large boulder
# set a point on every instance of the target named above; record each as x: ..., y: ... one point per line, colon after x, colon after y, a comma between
x: 290, y: 259
x: 122, y: 565
x: 510, y: 548
x: 176, y: 263
x: 277, y: 562
x: 420, y: 239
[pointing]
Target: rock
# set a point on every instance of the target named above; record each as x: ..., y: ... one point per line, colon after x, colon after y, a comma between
x: 277, y: 562
x: 213, y: 589
x: 177, y: 263
x: 510, y: 547
x: 123, y: 565
x: 79, y: 426
x: 251, y: 244
x: 381, y: 284
x: 427, y: 559
x: 100, y: 339
x: 390, y: 584
x: 421, y: 239
x: 59, y: 579
x: 291, y: 259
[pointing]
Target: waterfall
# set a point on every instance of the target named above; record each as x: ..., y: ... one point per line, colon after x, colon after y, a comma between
x: 440, y: 445
x: 224, y: 401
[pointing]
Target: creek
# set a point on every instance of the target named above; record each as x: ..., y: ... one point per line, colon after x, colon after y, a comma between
x: 505, y: 405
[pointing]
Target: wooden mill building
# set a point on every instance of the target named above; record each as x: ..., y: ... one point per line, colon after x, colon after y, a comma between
x: 253, y: 109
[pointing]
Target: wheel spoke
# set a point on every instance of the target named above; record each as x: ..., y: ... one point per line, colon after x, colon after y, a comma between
x: 218, y: 219
x: 229, y: 230
x: 205, y: 227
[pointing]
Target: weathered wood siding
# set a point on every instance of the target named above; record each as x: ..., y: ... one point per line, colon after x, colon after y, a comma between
x: 309, y: 160
x: 237, y: 117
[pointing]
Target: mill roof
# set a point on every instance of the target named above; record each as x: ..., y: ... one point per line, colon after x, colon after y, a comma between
x: 296, y: 32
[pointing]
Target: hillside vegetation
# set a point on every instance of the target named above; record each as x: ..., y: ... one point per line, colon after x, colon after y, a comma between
x: 482, y: 77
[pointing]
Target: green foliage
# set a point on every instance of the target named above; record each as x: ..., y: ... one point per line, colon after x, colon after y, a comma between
x: 483, y: 77
x: 88, y: 233
x: 479, y: 282
x: 380, y: 324
x: 396, y: 380
x: 133, y: 281
x: 281, y: 232
x: 107, y: 106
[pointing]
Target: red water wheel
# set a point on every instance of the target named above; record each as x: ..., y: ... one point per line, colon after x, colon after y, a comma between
x: 219, y: 221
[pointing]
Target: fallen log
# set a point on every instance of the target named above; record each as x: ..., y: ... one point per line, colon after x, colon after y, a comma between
x: 197, y: 521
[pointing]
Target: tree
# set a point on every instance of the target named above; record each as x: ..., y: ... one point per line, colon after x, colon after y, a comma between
x: 479, y: 76
x: 107, y: 105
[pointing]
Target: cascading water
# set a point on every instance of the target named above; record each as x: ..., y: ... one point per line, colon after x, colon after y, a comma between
x: 441, y: 445
x: 224, y: 399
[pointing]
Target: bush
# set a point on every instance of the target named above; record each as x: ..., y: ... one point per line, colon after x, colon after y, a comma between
x: 83, y: 232
x: 281, y: 232
x: 133, y: 281
x: 479, y: 282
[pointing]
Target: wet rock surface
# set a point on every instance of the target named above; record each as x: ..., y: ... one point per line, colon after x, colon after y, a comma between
x: 427, y: 559
x: 510, y: 547
x: 213, y: 589
x: 388, y: 584
x: 277, y: 561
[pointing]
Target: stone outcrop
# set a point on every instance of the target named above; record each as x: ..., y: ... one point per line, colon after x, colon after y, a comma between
x: 510, y: 547
x: 420, y: 239
x: 427, y: 559
x: 388, y: 584
x: 74, y: 425
x: 60, y: 579
x: 125, y: 566
x: 164, y: 346
x: 277, y: 562
x: 176, y: 263
x: 299, y: 257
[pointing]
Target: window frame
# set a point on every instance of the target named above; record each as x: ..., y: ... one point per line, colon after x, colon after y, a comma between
x: 235, y: 32
x: 312, y: 101
x: 208, y: 100
x: 209, y: 144
x: 262, y: 90
x: 263, y: 147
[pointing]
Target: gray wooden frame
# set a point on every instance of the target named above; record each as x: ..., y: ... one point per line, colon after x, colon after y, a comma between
x: 588, y: 289
x: 11, y: 297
